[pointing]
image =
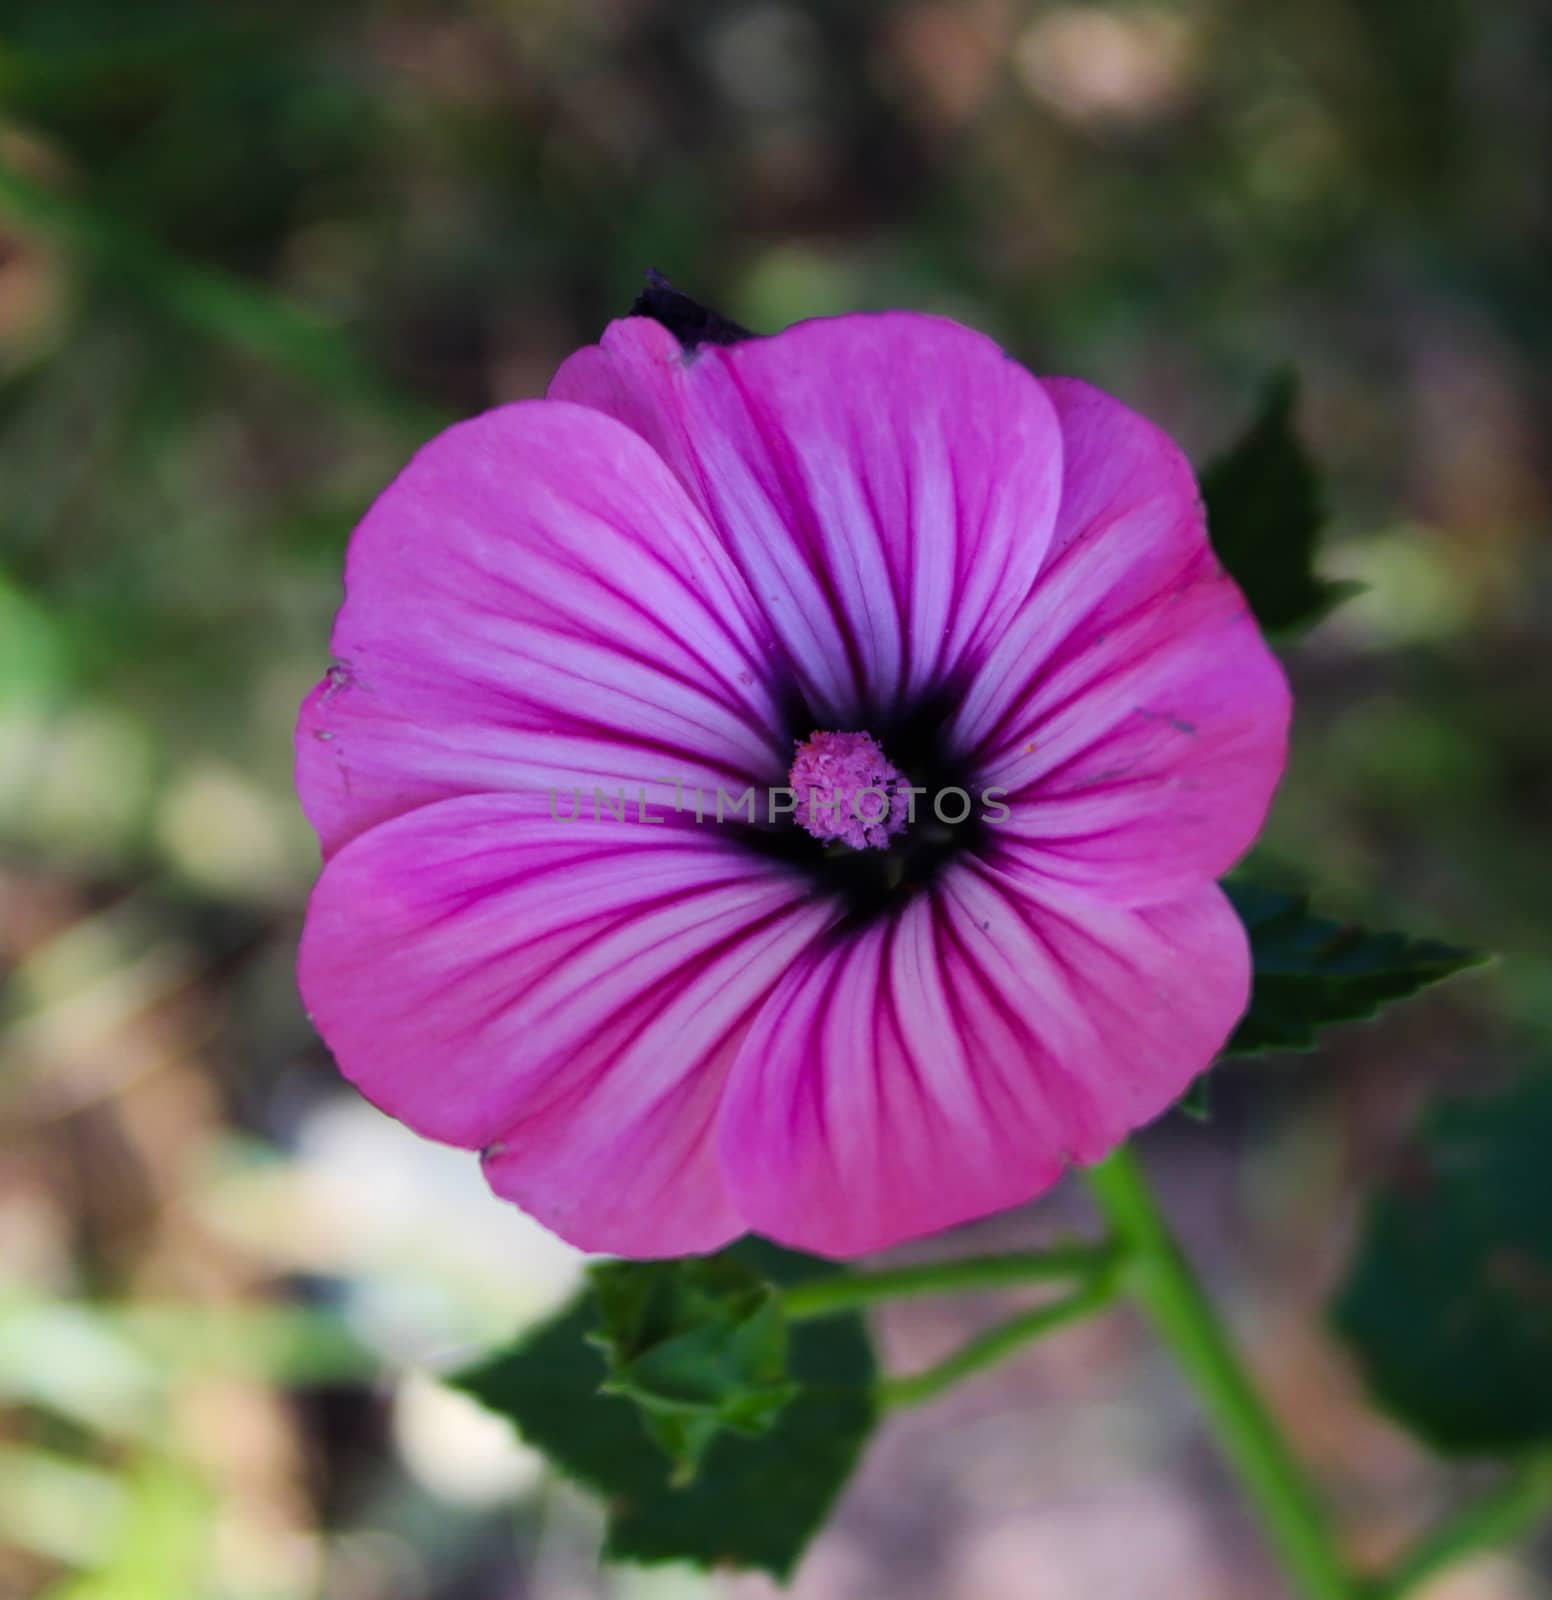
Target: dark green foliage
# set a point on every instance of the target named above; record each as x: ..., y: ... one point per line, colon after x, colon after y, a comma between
x: 1311, y: 971
x: 1196, y: 1102
x: 1449, y: 1304
x: 1264, y: 514
x: 755, y: 1502
x: 700, y: 1345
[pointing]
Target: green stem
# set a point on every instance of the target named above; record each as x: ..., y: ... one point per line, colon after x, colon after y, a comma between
x: 995, y: 1344
x: 823, y: 1297
x: 1500, y: 1517
x: 1164, y: 1284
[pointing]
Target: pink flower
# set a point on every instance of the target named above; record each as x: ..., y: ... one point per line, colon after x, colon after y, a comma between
x: 868, y: 548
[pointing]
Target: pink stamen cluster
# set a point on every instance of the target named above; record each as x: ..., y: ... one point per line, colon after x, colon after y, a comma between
x: 845, y: 789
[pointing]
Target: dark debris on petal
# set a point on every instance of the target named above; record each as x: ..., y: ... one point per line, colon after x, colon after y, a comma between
x: 691, y: 323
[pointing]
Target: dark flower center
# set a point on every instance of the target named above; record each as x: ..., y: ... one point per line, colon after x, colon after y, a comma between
x: 887, y: 860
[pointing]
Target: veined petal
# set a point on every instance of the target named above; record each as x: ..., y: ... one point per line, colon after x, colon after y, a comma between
x: 886, y: 483
x: 1132, y: 711
x: 948, y: 1063
x: 566, y: 996
x: 535, y: 603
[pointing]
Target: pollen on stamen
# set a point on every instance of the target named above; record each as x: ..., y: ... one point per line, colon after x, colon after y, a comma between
x: 846, y: 791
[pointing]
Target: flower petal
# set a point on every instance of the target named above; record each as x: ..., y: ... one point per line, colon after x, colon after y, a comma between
x: 886, y: 483
x: 948, y: 1063
x: 568, y: 996
x: 535, y: 603
x: 1132, y: 710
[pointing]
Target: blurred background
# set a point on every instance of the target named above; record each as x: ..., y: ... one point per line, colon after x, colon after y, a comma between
x: 250, y: 255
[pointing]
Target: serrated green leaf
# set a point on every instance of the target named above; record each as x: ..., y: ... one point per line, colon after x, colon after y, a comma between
x: 756, y: 1502
x: 1264, y: 515
x: 1311, y: 971
x: 1449, y: 1304
x: 699, y: 1344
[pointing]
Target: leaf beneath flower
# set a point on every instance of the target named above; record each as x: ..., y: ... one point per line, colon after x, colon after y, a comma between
x: 756, y: 1501
x: 699, y: 1344
x: 1449, y: 1304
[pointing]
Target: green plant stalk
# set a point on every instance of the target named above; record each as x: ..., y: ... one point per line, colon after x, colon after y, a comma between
x: 1500, y: 1517
x: 986, y: 1349
x: 823, y: 1297
x: 1163, y: 1283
